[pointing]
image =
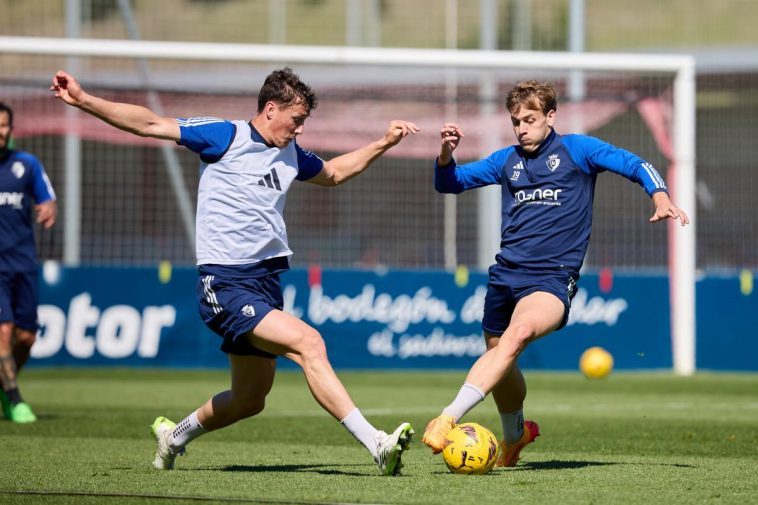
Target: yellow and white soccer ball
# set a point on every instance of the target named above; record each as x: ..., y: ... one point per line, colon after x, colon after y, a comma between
x: 596, y: 363
x: 470, y: 448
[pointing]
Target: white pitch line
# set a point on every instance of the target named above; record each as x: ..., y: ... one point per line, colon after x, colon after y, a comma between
x: 660, y: 407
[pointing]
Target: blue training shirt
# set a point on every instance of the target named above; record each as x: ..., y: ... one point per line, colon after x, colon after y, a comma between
x: 23, y: 182
x: 547, y: 195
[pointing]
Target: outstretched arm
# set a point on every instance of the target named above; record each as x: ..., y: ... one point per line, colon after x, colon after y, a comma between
x: 342, y: 168
x: 131, y: 118
x: 664, y: 209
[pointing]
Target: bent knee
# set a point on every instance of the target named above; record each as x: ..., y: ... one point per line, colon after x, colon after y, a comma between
x: 248, y: 407
x: 310, y: 345
x: 517, y: 338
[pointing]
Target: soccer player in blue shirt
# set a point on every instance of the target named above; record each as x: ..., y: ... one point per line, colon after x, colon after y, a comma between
x: 548, y: 183
x: 241, y: 245
x: 23, y: 186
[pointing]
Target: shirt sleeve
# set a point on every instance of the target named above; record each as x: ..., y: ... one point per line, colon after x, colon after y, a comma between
x: 308, y: 164
x: 207, y: 136
x: 42, y: 189
x: 594, y: 156
x: 455, y: 178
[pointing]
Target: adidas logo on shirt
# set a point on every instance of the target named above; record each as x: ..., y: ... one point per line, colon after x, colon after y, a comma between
x: 271, y: 180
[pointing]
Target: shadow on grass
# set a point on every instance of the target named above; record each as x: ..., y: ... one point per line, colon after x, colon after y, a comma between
x: 319, y: 469
x: 572, y: 465
x: 562, y: 465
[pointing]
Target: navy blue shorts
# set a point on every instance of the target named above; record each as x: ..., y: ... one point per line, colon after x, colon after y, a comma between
x: 232, y: 306
x: 509, y: 284
x: 18, y: 299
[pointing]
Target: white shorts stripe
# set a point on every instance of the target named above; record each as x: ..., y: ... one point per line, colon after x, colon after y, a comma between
x: 210, y: 296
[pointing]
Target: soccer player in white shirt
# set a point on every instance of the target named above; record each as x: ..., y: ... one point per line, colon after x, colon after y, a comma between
x: 241, y: 245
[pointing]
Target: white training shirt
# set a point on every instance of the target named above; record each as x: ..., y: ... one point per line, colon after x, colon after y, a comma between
x: 242, y: 190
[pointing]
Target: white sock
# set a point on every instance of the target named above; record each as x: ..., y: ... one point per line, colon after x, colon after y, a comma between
x: 186, y: 431
x: 468, y: 397
x: 513, y: 425
x: 361, y: 429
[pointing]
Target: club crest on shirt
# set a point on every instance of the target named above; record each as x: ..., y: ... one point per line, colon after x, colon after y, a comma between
x: 552, y: 162
x: 18, y: 169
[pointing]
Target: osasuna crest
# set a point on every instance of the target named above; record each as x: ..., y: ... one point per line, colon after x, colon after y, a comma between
x: 248, y: 311
x: 18, y: 169
x: 552, y: 162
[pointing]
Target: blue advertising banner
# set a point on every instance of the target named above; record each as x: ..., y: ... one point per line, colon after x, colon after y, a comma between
x: 393, y: 319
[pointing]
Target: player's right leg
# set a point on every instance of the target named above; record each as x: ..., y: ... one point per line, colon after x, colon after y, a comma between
x: 23, y: 340
x: 252, y: 378
x: 13, y: 405
x: 18, y: 299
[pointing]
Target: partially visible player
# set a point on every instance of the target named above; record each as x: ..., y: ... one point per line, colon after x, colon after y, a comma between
x: 548, y: 184
x: 23, y: 183
x: 247, y: 168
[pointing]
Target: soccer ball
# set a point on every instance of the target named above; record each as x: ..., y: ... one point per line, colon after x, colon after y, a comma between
x: 596, y: 363
x: 470, y: 448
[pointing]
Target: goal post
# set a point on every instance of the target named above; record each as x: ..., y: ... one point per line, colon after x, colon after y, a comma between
x: 417, y: 64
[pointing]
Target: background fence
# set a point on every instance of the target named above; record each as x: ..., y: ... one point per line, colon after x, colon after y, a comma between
x: 134, y: 197
x: 391, y: 216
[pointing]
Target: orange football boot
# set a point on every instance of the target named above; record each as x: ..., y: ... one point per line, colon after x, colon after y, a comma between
x: 436, y: 430
x: 509, y: 455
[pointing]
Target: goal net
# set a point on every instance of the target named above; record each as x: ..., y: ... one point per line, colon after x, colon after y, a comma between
x: 130, y: 200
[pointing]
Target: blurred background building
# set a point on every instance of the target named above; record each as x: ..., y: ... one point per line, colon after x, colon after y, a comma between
x: 132, y: 212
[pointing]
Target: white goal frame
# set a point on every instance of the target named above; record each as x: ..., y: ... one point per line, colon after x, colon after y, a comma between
x: 682, y: 67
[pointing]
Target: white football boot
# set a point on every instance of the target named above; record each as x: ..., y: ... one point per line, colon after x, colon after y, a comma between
x: 389, y: 448
x: 164, y: 454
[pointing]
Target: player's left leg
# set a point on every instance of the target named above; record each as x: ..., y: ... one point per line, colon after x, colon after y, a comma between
x: 281, y: 333
x: 7, y: 367
x: 509, y: 395
x: 534, y: 316
x: 510, y: 392
x: 252, y: 379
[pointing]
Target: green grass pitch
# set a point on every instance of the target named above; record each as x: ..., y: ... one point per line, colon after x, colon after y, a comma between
x: 630, y: 438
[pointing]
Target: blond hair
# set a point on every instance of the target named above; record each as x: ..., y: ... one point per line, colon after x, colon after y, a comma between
x: 533, y: 95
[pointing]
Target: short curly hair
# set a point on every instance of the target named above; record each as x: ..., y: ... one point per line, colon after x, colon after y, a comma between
x: 284, y: 87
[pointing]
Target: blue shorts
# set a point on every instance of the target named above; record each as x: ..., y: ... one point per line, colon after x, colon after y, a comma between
x: 231, y: 307
x: 508, y: 284
x: 18, y: 299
